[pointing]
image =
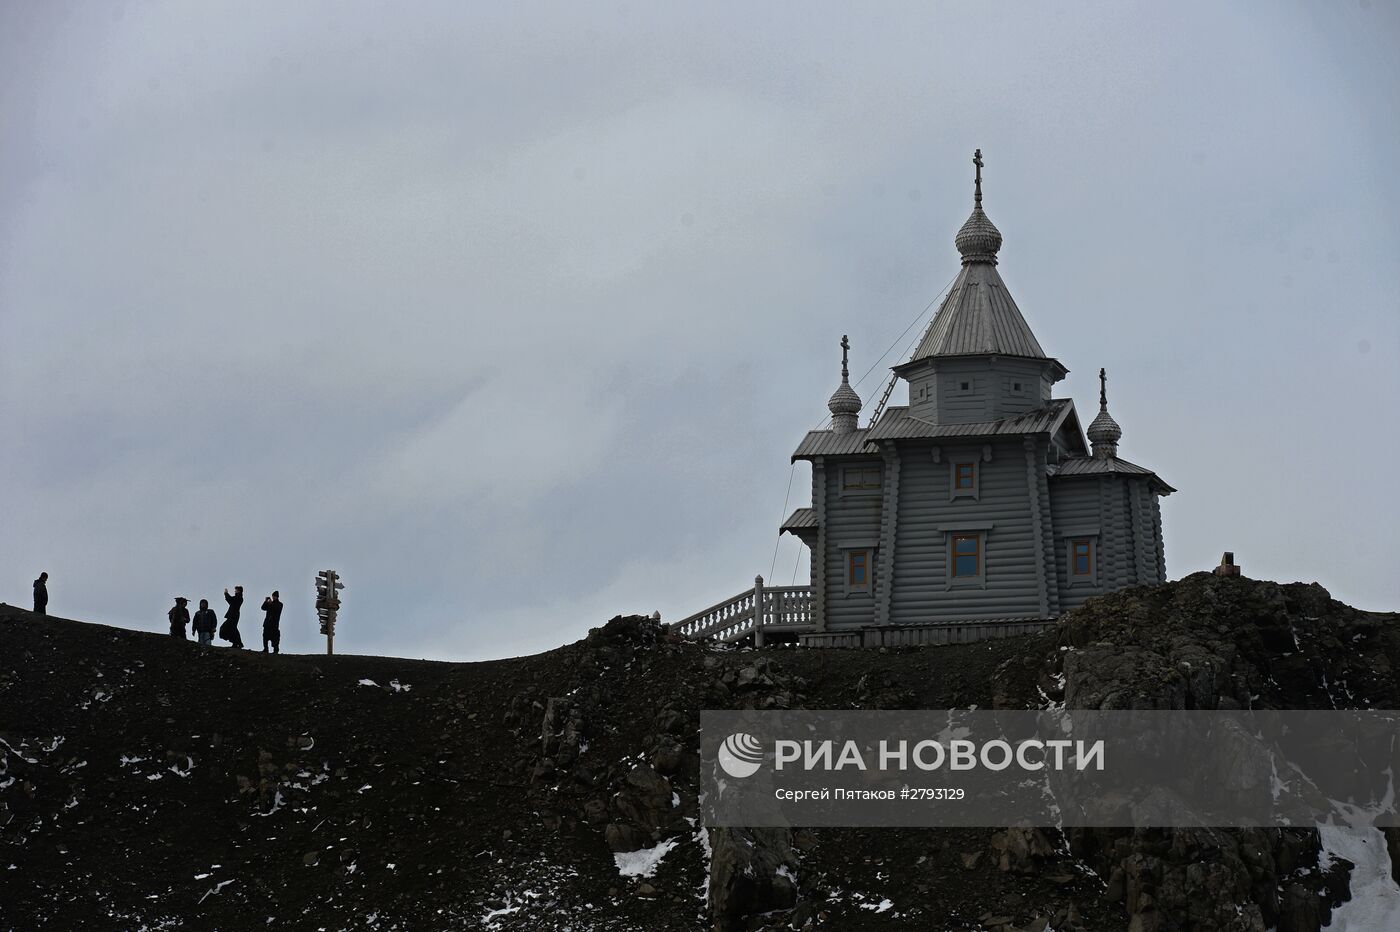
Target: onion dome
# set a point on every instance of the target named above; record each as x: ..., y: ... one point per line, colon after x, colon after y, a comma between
x: 844, y: 400
x: 1104, y: 432
x: 845, y: 404
x: 979, y: 239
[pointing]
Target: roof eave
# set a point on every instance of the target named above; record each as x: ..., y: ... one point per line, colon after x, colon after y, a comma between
x: 1159, y: 485
x: 1070, y: 411
x: 857, y: 446
x: 1060, y: 370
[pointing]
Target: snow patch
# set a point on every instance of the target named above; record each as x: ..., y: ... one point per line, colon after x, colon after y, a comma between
x: 497, y: 913
x: 643, y: 863
x: 1375, y: 897
x: 883, y: 906
x: 11, y: 749
x: 702, y: 835
x: 276, y: 804
x: 215, y: 889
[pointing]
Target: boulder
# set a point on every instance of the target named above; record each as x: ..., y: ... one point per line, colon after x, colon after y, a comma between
x: 752, y: 871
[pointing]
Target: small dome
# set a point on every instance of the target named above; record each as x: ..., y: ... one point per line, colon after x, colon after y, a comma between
x: 844, y: 400
x: 1104, y: 428
x: 979, y: 239
x: 1104, y: 433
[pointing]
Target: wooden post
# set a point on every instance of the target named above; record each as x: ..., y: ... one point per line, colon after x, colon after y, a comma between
x: 758, y: 611
x: 334, y: 603
x: 327, y: 602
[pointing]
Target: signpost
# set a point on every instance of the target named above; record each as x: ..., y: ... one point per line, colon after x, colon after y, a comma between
x: 328, y: 586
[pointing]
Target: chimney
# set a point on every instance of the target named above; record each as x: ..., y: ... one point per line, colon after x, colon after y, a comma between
x: 1227, y: 565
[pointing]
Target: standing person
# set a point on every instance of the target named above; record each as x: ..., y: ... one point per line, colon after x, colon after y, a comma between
x: 179, y: 617
x: 272, y: 624
x: 41, y: 594
x: 235, y: 607
x: 205, y: 621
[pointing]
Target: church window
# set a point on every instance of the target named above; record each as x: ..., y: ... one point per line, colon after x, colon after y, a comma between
x: 860, y: 478
x: 965, y: 386
x: 860, y: 568
x: 962, y: 479
x: 1015, y: 386
x: 967, y: 556
x: 858, y: 571
x: 1082, y: 557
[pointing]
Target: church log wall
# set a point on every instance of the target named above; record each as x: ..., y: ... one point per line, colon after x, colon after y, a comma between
x: 889, y: 528
x: 1160, y: 545
x: 923, y: 591
x: 852, y: 520
x: 1076, y: 510
x: 1040, y: 519
x: 818, y: 564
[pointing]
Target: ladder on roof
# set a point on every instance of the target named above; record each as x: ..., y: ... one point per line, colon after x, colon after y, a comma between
x: 889, y: 388
x: 884, y: 400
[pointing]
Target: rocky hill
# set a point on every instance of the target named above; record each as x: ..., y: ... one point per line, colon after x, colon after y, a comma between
x: 146, y: 783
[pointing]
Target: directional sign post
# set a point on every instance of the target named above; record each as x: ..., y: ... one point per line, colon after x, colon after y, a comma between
x: 328, y: 586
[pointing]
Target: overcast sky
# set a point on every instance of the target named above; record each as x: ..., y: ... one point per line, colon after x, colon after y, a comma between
x: 514, y: 314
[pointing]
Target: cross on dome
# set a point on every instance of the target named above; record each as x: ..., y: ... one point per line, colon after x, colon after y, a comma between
x: 1104, y: 432
x: 979, y: 239
x: 977, y: 196
x: 845, y: 404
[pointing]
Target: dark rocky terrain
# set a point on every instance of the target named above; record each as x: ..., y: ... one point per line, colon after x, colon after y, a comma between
x: 146, y: 783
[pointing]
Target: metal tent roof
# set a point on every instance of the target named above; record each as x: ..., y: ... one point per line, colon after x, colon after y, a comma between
x: 979, y: 317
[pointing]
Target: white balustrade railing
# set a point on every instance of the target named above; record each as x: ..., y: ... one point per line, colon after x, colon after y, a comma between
x: 758, y: 608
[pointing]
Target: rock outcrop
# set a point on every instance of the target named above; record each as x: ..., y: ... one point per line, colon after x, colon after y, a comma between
x: 560, y: 791
x: 1211, y: 642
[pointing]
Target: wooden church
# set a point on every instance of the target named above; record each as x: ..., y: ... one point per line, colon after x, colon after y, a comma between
x: 976, y: 510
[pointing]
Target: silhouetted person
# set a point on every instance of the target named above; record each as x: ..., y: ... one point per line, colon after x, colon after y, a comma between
x: 41, y: 594
x: 272, y: 623
x: 205, y: 621
x: 179, y: 617
x: 235, y: 606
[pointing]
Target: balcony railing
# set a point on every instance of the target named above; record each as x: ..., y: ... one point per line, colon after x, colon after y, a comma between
x: 751, y: 613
